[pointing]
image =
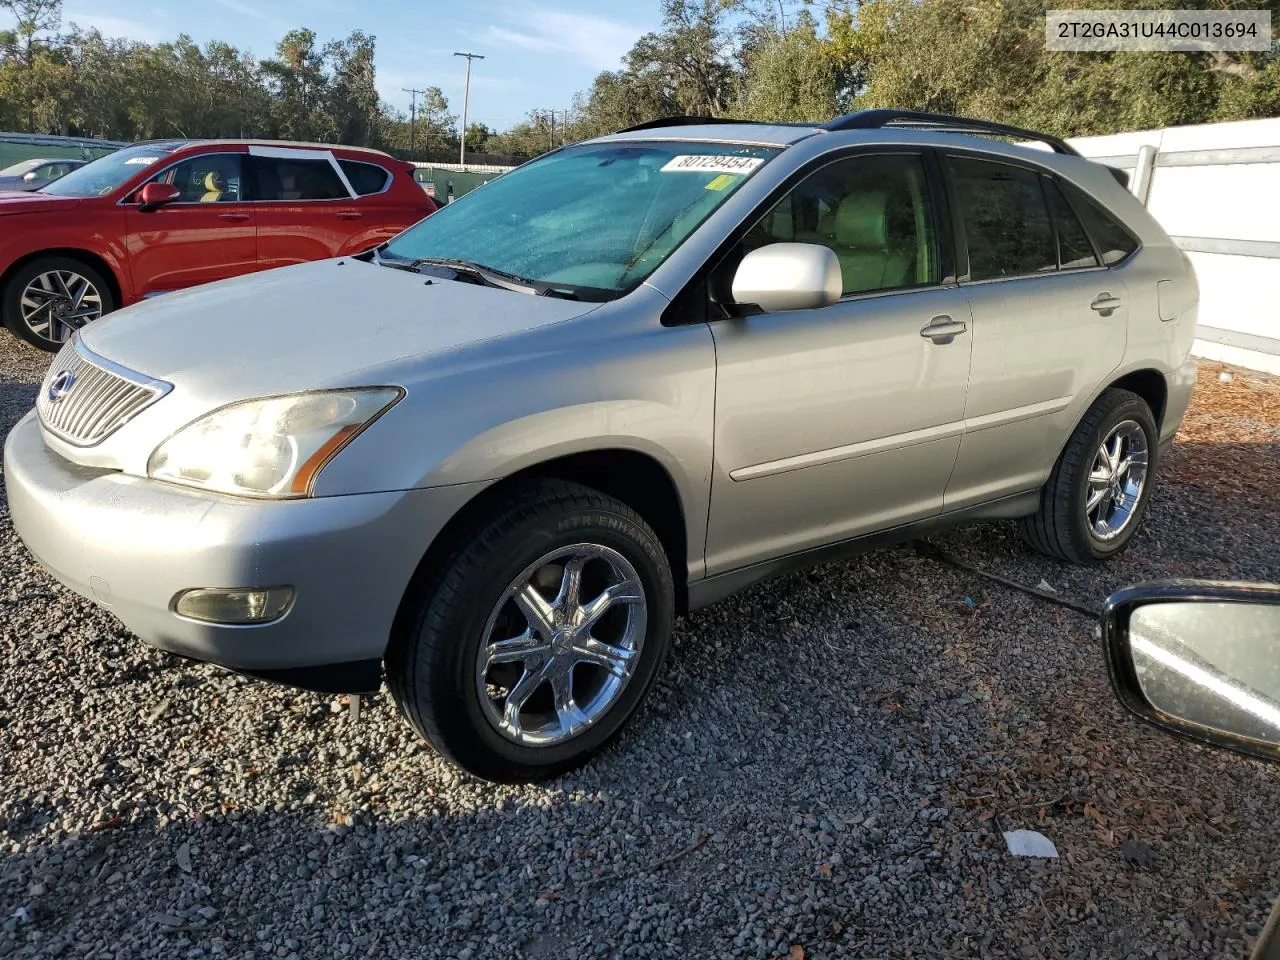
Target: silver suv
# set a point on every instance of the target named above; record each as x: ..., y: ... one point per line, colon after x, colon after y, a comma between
x: 499, y: 454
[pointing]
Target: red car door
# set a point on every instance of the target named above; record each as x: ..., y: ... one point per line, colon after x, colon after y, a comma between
x: 304, y: 209
x: 208, y: 233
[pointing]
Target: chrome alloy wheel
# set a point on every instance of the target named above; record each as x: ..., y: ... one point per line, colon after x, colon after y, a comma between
x: 57, y: 303
x: 1116, y: 480
x: 561, y: 644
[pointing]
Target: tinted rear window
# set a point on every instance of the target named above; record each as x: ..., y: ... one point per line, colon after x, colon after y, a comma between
x: 366, y: 178
x: 1006, y: 222
x: 278, y: 178
x: 1074, y: 249
x: 1113, y: 240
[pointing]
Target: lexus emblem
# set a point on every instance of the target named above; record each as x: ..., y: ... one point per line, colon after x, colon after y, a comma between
x: 61, y: 385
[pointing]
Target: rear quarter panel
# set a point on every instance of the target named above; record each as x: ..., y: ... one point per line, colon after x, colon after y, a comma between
x: 1162, y: 293
x: 391, y: 212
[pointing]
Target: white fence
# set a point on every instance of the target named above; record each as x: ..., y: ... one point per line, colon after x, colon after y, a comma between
x: 462, y: 167
x: 1216, y: 189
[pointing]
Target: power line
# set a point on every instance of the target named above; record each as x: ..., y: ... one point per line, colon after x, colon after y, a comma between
x: 551, y: 135
x: 413, y: 112
x: 466, y: 102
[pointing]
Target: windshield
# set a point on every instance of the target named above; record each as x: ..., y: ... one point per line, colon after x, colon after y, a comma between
x: 21, y: 167
x: 102, y: 176
x: 597, y: 216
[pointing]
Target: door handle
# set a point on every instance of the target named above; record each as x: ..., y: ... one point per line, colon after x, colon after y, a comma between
x: 1105, y: 304
x: 942, y: 329
x: 349, y: 215
x: 233, y: 217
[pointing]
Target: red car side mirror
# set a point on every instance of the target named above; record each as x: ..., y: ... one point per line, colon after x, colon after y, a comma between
x: 157, y: 194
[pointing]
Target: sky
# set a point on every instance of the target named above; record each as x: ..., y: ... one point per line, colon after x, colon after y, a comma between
x: 538, y: 53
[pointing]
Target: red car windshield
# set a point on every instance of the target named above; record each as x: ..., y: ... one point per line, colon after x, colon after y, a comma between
x: 102, y: 176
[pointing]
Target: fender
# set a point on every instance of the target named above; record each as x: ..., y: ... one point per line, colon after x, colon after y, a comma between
x: 494, y: 410
x: 97, y: 231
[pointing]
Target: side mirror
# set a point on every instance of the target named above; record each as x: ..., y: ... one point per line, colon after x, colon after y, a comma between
x: 157, y: 195
x: 1199, y: 659
x: 30, y: 177
x: 788, y: 276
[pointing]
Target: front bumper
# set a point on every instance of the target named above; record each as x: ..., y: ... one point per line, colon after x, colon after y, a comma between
x: 132, y: 544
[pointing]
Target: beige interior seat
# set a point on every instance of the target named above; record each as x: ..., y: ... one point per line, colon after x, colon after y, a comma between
x: 868, y: 261
x: 215, y: 187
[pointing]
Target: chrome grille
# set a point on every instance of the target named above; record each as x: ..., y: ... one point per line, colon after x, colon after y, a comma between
x: 86, y: 398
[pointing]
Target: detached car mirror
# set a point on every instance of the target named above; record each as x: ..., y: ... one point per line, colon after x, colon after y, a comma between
x: 157, y: 194
x: 1200, y: 659
x: 788, y: 276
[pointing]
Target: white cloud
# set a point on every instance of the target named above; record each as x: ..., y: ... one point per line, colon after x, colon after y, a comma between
x: 249, y: 10
x: 598, y: 42
x: 393, y: 81
x: 113, y: 26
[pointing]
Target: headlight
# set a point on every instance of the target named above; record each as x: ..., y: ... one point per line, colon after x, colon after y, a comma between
x: 274, y: 447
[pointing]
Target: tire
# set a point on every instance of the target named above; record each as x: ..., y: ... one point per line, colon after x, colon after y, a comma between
x: 1065, y: 527
x: 434, y: 665
x: 77, y: 292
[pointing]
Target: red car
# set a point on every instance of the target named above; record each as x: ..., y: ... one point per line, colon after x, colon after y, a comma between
x: 162, y: 216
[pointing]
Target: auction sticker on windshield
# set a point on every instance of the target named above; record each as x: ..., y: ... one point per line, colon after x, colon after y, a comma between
x: 712, y: 164
x: 144, y: 161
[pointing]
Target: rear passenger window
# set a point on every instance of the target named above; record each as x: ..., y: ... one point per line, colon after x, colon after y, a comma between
x: 1006, y: 223
x: 1074, y: 249
x: 280, y: 178
x: 1113, y: 240
x: 365, y: 178
x: 872, y: 211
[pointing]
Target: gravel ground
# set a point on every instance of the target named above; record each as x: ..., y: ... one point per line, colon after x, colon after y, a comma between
x: 824, y: 771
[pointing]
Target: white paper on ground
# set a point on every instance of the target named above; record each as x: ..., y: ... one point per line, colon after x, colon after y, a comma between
x: 1028, y: 843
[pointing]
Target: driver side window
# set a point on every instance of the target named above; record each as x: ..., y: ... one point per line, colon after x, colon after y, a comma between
x: 211, y: 178
x: 873, y: 212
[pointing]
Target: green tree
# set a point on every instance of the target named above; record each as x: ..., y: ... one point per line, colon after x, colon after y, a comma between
x: 478, y: 135
x: 434, y: 130
x: 791, y: 76
x: 987, y: 58
x: 620, y: 99
x: 299, y: 88
x: 690, y: 59
x: 29, y: 72
x: 352, y: 90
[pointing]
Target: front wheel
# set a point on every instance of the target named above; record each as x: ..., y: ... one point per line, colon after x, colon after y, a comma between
x: 540, y: 638
x: 48, y: 298
x: 1098, y: 492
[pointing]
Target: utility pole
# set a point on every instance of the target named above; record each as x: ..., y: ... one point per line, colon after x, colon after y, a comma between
x: 466, y: 102
x: 564, y: 127
x: 413, y: 112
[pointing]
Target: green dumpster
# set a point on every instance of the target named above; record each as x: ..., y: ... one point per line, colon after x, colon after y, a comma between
x: 33, y: 146
x: 446, y: 180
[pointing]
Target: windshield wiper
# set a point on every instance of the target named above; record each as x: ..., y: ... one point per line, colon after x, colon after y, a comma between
x: 479, y: 272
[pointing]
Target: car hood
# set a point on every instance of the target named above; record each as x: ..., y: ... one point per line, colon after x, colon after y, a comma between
x: 330, y: 323
x: 18, y: 201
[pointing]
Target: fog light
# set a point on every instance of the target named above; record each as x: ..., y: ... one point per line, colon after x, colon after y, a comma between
x: 234, y: 604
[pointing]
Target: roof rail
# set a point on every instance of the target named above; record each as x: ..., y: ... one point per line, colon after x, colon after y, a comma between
x: 680, y: 121
x: 941, y: 123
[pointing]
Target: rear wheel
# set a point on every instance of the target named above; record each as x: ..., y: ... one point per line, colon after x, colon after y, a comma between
x: 1097, y: 495
x: 541, y: 636
x: 49, y: 298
